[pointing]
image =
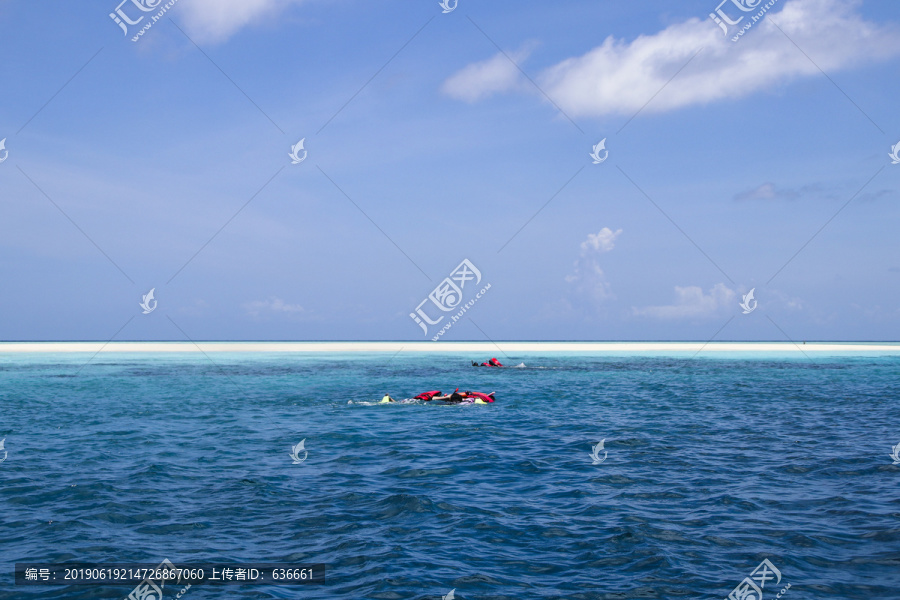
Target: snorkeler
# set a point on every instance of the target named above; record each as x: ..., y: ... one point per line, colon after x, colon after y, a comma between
x: 447, y: 398
x: 491, y: 363
x: 480, y: 398
x: 456, y: 397
x: 466, y: 397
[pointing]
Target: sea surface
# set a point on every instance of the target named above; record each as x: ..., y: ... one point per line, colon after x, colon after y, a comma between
x: 713, y: 464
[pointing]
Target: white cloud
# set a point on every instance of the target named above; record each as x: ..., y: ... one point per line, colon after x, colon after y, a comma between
x: 198, y: 308
x: 216, y: 20
x: 766, y: 191
x: 785, y: 301
x: 589, y: 278
x: 691, y: 301
x: 770, y: 191
x: 602, y: 241
x: 485, y: 78
x: 270, y: 306
x: 620, y: 77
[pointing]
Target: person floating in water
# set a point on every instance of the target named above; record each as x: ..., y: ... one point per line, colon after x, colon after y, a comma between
x: 478, y: 397
x: 457, y: 398
x: 491, y: 363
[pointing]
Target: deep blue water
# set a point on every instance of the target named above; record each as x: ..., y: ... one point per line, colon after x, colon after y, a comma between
x: 713, y: 465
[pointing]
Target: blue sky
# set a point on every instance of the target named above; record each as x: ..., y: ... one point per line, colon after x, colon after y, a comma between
x: 427, y: 146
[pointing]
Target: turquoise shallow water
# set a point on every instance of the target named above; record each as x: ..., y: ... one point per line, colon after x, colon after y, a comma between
x: 713, y: 465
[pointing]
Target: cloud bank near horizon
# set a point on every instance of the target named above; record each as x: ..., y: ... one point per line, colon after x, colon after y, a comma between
x: 691, y: 302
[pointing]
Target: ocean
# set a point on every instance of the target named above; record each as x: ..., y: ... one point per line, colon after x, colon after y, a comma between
x: 716, y: 470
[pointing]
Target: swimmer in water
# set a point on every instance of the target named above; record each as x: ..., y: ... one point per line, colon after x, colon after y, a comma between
x: 454, y: 397
x: 468, y: 397
x: 491, y: 363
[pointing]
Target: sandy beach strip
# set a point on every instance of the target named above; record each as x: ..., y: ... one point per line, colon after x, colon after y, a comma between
x: 457, y: 347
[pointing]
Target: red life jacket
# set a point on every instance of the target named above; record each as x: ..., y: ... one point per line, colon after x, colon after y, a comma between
x: 495, y: 363
x: 480, y: 396
x: 428, y: 395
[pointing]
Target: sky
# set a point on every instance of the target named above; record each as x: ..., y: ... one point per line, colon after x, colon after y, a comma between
x: 611, y: 170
